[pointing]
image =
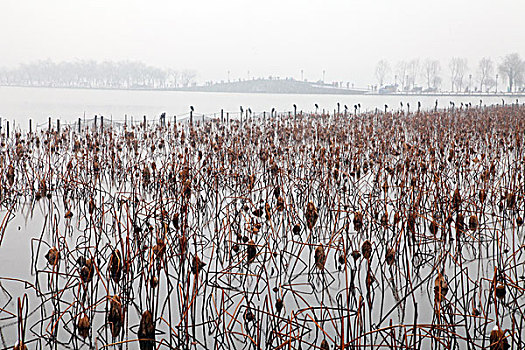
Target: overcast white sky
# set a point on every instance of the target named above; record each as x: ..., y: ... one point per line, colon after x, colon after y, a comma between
x: 270, y: 37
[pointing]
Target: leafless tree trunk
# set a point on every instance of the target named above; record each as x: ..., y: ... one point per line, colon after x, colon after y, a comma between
x: 486, y: 70
x: 513, y: 69
x: 402, y: 71
x: 413, y: 72
x: 382, y: 70
x: 458, y: 68
x: 431, y: 70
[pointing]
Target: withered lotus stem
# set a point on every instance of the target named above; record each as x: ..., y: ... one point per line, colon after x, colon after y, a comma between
x: 460, y: 223
x: 498, y: 341
x: 440, y: 287
x: 366, y: 249
x: 83, y: 326
x: 397, y: 218
x: 248, y: 315
x: 370, y: 279
x: 500, y: 291
x: 115, y: 317
x: 511, y: 200
x: 159, y: 248
x: 280, y: 203
x: 384, y: 219
x: 358, y: 221
x: 390, y: 256
x: 251, y: 250
x: 87, y: 271
x: 311, y: 215
x: 320, y: 257
x: 115, y: 265
x: 20, y: 346
x: 456, y: 199
x: 356, y: 255
x: 279, y: 305
x: 434, y: 228
x: 53, y: 256
x: 473, y: 223
x: 197, y: 265
x: 482, y: 195
x: 411, y: 223
x: 91, y: 207
x: 146, y: 331
x: 268, y: 211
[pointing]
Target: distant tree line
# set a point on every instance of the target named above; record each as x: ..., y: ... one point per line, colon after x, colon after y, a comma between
x: 427, y: 75
x: 92, y: 74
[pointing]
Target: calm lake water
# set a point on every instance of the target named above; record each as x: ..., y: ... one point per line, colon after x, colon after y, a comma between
x: 18, y: 103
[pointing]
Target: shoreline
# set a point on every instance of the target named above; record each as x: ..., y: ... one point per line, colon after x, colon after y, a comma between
x: 335, y: 93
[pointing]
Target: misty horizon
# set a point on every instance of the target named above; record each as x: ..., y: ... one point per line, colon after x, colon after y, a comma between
x: 343, y: 39
x: 429, y: 73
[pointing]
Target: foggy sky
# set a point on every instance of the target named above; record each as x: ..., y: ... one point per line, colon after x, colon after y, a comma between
x: 270, y: 37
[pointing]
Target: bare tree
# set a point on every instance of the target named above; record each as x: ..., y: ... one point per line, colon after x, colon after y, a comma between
x: 187, y: 76
x: 431, y: 70
x: 402, y: 73
x: 123, y: 74
x: 173, y: 77
x: 413, y: 72
x: 513, y: 69
x: 485, y: 71
x: 458, y: 68
x: 382, y: 70
x: 452, y: 66
x: 490, y: 83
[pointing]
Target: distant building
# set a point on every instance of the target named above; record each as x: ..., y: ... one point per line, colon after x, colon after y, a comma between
x: 388, y: 89
x: 432, y: 89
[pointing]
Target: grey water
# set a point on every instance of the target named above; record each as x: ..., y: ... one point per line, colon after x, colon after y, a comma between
x: 19, y: 104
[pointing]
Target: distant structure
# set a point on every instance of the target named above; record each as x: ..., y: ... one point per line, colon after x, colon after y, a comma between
x: 277, y: 86
x: 388, y: 89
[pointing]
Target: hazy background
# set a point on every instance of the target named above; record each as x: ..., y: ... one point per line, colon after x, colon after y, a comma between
x: 345, y: 38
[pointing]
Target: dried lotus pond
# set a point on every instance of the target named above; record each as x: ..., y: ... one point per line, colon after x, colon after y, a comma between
x: 327, y: 231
